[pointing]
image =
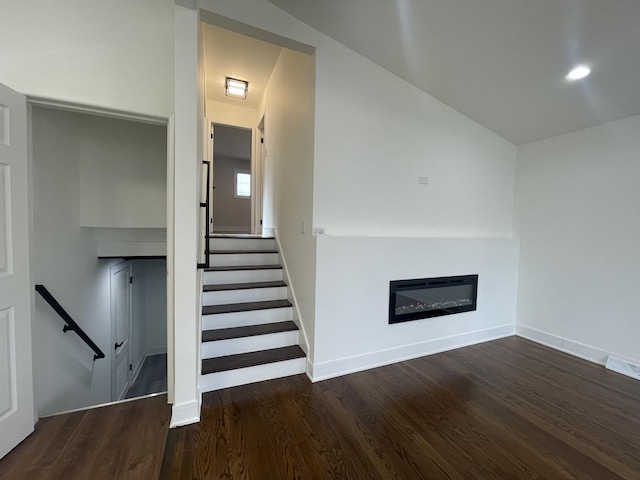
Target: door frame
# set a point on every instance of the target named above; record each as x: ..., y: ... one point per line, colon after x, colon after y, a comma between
x: 169, y: 123
x: 256, y: 170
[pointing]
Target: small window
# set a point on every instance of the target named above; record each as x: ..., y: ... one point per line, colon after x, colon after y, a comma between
x: 242, y: 184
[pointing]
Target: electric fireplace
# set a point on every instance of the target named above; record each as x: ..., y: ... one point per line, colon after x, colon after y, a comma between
x: 431, y: 297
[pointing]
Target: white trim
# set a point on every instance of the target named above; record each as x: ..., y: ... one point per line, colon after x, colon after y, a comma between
x: 96, y: 110
x: 577, y: 349
x: 344, y: 366
x: 185, y: 413
x: 107, y: 404
x: 156, y: 351
x: 304, y: 345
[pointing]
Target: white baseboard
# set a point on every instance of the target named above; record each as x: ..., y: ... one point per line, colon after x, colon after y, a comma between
x: 577, y: 349
x: 185, y: 413
x: 344, y: 366
x: 156, y: 350
x: 268, y: 231
x: 304, y: 340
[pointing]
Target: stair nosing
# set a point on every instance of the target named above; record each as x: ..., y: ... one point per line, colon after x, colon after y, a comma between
x: 249, y: 331
x: 245, y: 306
x: 241, y: 252
x: 226, y: 287
x: 299, y: 353
x: 231, y: 268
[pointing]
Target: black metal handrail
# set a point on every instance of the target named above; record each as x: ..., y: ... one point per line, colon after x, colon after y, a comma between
x: 70, y: 323
x: 205, y: 205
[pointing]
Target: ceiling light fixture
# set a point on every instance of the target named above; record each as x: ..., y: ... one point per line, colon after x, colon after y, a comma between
x: 578, y: 73
x: 236, y: 88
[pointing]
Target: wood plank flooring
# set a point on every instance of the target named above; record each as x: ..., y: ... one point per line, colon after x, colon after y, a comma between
x: 123, y: 441
x: 507, y: 409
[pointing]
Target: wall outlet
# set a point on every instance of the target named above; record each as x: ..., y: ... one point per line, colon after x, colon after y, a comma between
x: 423, y: 180
x: 302, y: 226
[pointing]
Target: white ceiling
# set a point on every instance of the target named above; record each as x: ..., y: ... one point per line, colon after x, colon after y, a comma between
x: 230, y: 54
x: 500, y: 62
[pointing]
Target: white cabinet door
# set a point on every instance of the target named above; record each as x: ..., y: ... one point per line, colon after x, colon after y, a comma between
x: 16, y: 376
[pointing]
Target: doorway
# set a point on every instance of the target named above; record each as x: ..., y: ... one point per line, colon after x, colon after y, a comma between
x: 99, y: 206
x: 232, y: 180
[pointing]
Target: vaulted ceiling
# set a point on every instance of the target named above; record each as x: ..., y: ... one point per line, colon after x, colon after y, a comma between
x: 500, y: 62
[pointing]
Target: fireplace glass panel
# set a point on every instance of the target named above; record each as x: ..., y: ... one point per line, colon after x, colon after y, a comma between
x: 431, y: 297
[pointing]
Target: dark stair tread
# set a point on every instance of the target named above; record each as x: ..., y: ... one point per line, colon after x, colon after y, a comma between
x: 244, y: 307
x: 243, y: 286
x: 243, y: 267
x: 240, y: 252
x: 248, y: 331
x: 251, y: 359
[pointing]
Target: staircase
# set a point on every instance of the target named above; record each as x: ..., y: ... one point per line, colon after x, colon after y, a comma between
x: 248, y: 333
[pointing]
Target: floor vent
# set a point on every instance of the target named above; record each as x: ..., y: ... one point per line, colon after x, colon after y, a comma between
x: 622, y: 366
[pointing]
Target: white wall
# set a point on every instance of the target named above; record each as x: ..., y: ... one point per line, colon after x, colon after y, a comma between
x: 289, y: 175
x: 150, y: 288
x: 188, y: 157
x: 116, y: 54
x: 374, y: 135
x: 65, y: 261
x: 353, y: 275
x: 225, y: 114
x: 577, y: 218
x: 123, y: 173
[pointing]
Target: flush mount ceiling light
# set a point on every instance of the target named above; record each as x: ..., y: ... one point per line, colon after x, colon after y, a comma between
x: 236, y: 88
x: 578, y: 73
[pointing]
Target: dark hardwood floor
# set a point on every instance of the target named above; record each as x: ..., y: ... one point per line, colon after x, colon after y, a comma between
x: 507, y: 409
x: 152, y: 377
x: 124, y: 441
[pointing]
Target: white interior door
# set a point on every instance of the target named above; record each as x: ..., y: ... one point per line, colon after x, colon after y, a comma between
x: 16, y: 375
x: 121, y: 329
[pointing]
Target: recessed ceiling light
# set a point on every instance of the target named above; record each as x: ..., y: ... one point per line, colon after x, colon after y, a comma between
x: 578, y: 73
x: 236, y: 88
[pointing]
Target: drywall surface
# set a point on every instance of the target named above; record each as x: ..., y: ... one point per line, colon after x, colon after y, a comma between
x: 123, y: 173
x: 289, y: 175
x: 352, y: 299
x: 577, y: 200
x: 189, y: 129
x: 116, y: 54
x: 65, y: 261
x: 150, y: 287
x: 375, y: 135
x: 226, y: 114
x: 230, y: 214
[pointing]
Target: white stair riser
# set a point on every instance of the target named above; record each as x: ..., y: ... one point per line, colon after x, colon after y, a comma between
x: 258, y: 373
x: 242, y: 243
x: 245, y: 295
x: 221, y: 348
x: 234, y: 259
x: 243, y: 319
x: 242, y: 276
